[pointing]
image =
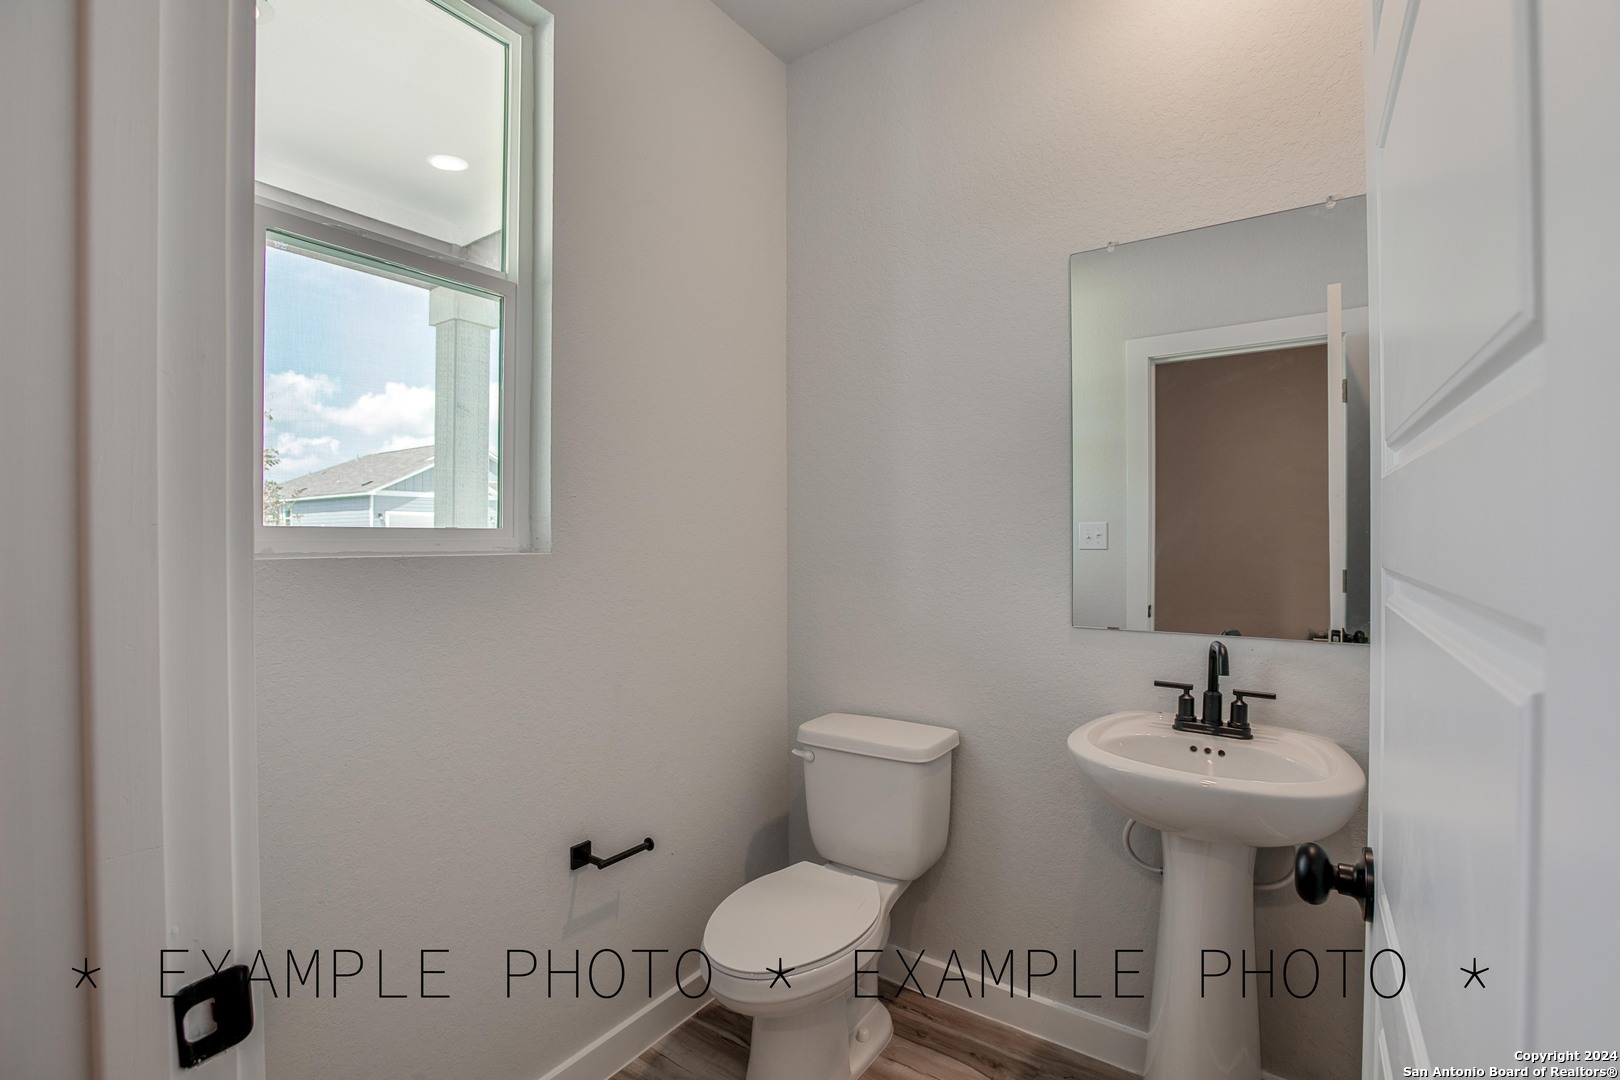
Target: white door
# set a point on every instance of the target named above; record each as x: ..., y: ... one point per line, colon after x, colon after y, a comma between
x: 1491, y: 124
x: 165, y: 530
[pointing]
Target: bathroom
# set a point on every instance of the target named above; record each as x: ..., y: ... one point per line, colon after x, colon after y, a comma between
x: 801, y: 443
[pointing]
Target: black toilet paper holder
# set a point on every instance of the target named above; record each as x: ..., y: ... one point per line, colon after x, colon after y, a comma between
x: 580, y: 854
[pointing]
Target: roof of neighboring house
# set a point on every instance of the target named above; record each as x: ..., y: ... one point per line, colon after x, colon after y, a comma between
x: 361, y: 476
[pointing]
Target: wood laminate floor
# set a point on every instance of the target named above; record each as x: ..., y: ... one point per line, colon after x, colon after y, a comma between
x: 932, y: 1041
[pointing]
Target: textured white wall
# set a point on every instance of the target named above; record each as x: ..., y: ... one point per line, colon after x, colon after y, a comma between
x: 943, y: 165
x: 43, y: 1018
x: 434, y: 733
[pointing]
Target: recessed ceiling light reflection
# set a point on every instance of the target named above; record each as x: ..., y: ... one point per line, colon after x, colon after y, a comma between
x: 448, y: 162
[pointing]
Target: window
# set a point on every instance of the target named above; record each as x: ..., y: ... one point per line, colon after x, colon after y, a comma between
x: 402, y: 197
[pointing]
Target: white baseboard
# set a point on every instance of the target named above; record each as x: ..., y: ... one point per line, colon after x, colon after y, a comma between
x: 1105, y: 1040
x: 1096, y: 1037
x: 1075, y: 1029
x: 632, y: 1037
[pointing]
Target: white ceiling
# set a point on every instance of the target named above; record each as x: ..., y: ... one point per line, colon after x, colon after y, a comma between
x: 791, y: 28
x: 355, y: 95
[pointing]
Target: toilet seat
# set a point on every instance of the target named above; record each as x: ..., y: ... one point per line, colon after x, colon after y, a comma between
x: 800, y: 917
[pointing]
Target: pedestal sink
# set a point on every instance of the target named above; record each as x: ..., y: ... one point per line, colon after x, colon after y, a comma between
x: 1216, y: 800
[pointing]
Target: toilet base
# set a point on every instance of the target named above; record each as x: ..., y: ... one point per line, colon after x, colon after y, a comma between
x: 835, y: 1040
x: 870, y: 1034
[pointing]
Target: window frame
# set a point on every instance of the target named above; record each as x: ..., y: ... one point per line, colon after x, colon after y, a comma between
x: 523, y: 284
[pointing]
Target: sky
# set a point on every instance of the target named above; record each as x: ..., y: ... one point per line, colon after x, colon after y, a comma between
x: 348, y: 364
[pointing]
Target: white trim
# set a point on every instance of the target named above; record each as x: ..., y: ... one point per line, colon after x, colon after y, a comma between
x: 1105, y: 1040
x: 313, y: 209
x: 630, y: 1038
x: 280, y: 541
x: 531, y: 470
x: 243, y: 513
x: 515, y: 34
x: 1337, y: 481
x: 1097, y: 1037
x: 417, y: 261
x: 1141, y: 354
x: 166, y: 204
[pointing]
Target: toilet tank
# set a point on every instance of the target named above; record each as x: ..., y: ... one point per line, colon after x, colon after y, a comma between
x: 878, y: 792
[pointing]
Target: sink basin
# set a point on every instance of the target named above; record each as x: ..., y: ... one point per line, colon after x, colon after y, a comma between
x: 1281, y: 788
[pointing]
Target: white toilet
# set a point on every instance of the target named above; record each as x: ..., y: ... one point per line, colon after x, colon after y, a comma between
x: 783, y: 948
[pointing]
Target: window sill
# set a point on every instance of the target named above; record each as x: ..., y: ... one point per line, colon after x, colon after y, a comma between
x: 399, y: 543
x: 302, y: 556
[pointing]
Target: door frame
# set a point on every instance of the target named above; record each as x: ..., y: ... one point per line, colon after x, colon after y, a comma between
x: 166, y: 430
x: 1143, y: 354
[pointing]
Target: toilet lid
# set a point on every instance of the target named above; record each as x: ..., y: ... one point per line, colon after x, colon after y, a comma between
x: 796, y: 917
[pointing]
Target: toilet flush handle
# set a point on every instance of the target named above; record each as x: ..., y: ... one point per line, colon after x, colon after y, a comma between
x: 808, y: 755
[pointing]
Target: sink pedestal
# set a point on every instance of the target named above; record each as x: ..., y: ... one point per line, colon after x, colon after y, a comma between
x: 1198, y: 1026
x: 1214, y: 809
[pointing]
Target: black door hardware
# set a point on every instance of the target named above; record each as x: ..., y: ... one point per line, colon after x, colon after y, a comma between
x: 580, y: 854
x: 232, y: 999
x: 1316, y: 877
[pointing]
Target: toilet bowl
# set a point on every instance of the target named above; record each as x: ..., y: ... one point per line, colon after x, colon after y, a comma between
x: 797, y: 950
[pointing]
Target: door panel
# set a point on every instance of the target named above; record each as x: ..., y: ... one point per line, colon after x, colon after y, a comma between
x: 1455, y: 185
x: 1461, y: 697
x: 1469, y: 502
x: 1460, y: 589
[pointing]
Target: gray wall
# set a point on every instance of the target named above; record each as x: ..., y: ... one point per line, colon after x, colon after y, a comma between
x: 943, y: 165
x: 435, y: 732
x: 42, y: 904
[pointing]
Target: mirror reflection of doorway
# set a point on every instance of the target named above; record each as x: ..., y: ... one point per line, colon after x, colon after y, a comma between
x: 1241, y: 493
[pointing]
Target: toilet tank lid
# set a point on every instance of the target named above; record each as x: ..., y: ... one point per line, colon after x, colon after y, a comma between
x: 875, y: 736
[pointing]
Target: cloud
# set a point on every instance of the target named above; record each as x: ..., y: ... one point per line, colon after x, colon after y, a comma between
x: 405, y: 442
x: 292, y: 395
x: 300, y: 455
x: 302, y: 405
x: 313, y: 428
x: 290, y: 445
x: 397, y: 411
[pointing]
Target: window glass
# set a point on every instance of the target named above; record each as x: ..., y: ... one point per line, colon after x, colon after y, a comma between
x: 386, y: 113
x: 381, y: 394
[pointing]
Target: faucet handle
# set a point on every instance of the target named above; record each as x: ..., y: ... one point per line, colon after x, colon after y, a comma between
x: 1238, y: 723
x: 1184, y: 703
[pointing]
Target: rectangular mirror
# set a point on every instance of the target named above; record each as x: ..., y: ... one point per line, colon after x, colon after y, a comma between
x: 1221, y: 422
